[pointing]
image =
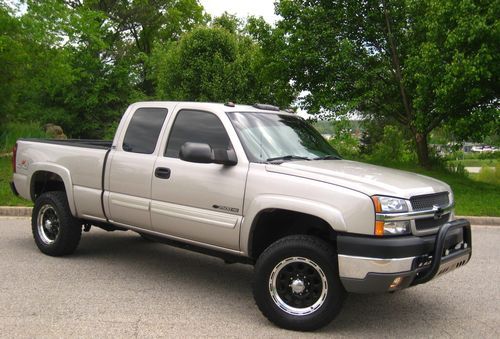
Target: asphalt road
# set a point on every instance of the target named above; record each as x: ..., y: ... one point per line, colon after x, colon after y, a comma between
x: 116, y: 284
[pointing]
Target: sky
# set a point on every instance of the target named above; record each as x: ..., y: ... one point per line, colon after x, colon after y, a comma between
x: 241, y: 8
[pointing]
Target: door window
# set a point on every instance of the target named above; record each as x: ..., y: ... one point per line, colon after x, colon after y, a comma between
x: 196, y: 126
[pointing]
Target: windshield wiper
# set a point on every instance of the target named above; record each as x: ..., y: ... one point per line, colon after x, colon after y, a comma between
x: 288, y: 157
x: 329, y: 157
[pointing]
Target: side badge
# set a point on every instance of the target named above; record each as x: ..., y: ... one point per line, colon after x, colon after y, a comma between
x: 226, y: 208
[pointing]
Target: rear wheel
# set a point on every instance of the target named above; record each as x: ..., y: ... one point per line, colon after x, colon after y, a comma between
x: 55, y: 230
x: 297, y: 285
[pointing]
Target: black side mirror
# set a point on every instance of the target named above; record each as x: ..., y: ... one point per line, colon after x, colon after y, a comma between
x: 224, y: 157
x: 204, y: 154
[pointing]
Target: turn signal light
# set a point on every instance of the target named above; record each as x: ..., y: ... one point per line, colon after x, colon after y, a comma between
x: 379, y: 228
x: 377, y: 204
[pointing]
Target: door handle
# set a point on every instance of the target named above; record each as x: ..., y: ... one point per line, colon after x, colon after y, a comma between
x: 162, y: 172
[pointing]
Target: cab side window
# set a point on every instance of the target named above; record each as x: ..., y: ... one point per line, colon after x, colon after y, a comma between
x: 143, y: 130
x: 196, y: 126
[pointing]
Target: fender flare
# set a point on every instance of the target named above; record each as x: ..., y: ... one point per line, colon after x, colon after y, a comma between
x: 320, y: 210
x: 61, y: 172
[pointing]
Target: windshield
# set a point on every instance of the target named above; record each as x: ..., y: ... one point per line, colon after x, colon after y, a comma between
x: 273, y: 137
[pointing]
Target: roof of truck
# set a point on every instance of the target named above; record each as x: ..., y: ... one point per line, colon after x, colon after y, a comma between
x: 226, y: 107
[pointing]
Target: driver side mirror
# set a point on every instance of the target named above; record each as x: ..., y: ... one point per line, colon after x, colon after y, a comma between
x: 204, y: 154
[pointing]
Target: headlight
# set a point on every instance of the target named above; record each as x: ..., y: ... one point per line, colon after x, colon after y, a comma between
x: 389, y: 205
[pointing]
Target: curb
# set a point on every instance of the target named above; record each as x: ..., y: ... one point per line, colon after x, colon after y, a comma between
x: 489, y: 221
x: 15, y: 211
x: 19, y: 211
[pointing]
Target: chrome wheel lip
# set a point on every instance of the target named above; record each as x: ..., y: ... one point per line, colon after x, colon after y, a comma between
x: 43, y: 222
x: 281, y: 303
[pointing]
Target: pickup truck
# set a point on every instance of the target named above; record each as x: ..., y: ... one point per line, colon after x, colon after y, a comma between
x: 250, y: 184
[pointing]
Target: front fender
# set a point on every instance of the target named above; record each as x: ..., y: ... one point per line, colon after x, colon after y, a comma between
x: 61, y: 172
x: 328, y: 213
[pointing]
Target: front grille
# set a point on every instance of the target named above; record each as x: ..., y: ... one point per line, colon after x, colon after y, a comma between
x: 426, y: 202
x: 429, y: 223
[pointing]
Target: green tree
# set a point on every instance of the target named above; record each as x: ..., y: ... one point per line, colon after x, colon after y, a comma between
x: 144, y: 22
x: 33, y: 68
x: 80, y: 77
x: 12, y: 55
x: 274, y: 80
x: 214, y: 64
x: 420, y: 63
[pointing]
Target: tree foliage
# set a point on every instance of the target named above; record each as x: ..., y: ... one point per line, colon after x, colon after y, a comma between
x: 219, y: 63
x: 80, y: 63
x: 420, y: 63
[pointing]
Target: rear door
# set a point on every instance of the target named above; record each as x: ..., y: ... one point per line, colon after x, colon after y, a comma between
x: 131, y: 167
x: 198, y: 202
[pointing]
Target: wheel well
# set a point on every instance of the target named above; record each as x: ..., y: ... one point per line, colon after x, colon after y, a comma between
x: 43, y: 181
x: 273, y: 224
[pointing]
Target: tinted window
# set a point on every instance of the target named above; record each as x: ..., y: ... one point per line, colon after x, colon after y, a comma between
x: 143, y: 130
x: 195, y: 126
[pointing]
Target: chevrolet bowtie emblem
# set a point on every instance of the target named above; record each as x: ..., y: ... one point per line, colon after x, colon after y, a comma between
x: 438, y: 212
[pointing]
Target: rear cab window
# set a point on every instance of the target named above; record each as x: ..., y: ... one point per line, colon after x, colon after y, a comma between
x: 144, y: 129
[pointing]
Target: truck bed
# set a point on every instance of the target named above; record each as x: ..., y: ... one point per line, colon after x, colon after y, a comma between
x: 78, y: 162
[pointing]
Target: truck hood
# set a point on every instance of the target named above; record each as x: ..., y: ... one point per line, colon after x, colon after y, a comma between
x: 365, y: 178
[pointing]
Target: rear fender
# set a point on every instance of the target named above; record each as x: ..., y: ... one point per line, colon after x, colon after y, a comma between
x: 61, y: 172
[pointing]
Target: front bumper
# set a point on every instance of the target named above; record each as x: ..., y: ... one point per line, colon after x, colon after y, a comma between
x: 371, y: 265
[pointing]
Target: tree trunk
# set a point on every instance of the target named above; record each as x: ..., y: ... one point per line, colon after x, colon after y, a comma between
x: 422, y: 150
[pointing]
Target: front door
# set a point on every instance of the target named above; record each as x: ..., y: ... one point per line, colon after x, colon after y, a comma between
x: 193, y: 201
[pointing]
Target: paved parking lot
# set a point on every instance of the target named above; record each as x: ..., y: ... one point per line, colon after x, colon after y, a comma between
x: 119, y: 285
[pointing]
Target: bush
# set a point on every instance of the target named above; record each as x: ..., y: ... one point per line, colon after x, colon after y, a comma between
x: 392, y: 148
x: 343, y: 140
x: 15, y: 130
x: 456, y: 168
x: 489, y: 175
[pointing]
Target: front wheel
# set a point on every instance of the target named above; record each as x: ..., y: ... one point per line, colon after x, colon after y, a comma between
x: 55, y: 230
x: 297, y: 285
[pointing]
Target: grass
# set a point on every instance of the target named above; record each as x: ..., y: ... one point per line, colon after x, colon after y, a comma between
x: 7, y: 198
x: 8, y: 136
x: 475, y: 162
x: 489, y: 175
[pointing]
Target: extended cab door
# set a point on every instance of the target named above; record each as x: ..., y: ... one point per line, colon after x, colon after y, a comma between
x: 131, y: 167
x: 195, y: 201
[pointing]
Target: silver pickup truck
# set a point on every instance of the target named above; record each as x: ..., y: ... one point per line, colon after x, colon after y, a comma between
x: 249, y: 184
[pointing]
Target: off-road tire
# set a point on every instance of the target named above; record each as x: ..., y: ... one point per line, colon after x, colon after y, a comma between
x: 313, y: 250
x: 66, y: 239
